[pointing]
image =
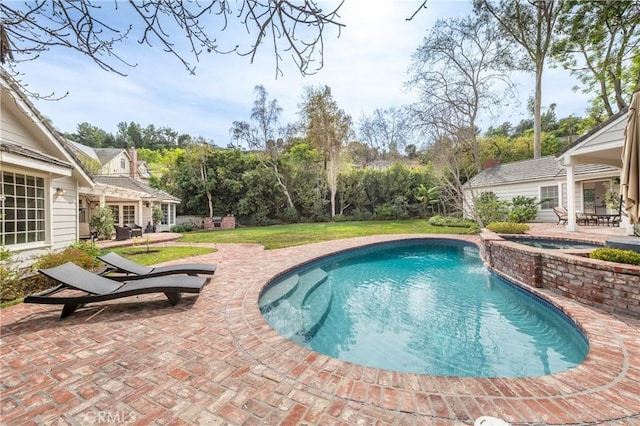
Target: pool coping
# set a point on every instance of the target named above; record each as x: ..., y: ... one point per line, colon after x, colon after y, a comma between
x: 214, y: 359
x: 606, y: 375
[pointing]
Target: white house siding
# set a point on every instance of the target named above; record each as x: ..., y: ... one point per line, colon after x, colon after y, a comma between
x: 64, y: 211
x: 512, y: 190
x: 61, y: 211
x: 608, y: 135
x: 15, y: 132
x: 114, y: 167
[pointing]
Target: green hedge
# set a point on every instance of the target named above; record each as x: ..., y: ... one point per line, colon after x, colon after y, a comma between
x: 508, y: 227
x: 616, y: 255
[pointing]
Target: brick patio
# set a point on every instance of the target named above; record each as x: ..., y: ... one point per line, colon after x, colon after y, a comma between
x: 214, y: 360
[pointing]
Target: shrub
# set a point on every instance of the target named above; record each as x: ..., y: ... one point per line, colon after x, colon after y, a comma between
x: 88, y: 247
x: 491, y: 209
x: 451, y: 221
x: 616, y: 255
x: 361, y: 215
x: 156, y: 216
x: 524, y: 209
x: 508, y: 227
x: 339, y: 218
x: 290, y: 215
x: 18, y: 285
x: 10, y: 277
x: 384, y: 211
x: 102, y: 221
x: 185, y: 227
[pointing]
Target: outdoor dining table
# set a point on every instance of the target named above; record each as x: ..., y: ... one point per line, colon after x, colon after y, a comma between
x: 606, y: 218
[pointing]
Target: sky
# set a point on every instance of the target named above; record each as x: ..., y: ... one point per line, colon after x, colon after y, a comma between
x: 366, y: 67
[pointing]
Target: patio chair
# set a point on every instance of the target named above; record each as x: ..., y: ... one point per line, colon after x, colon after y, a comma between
x: 562, y: 214
x: 586, y: 219
x: 99, y: 289
x: 122, y: 233
x: 136, y: 230
x: 118, y: 264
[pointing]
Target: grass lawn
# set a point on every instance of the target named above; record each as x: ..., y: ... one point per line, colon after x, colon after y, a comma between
x: 159, y: 254
x: 278, y: 236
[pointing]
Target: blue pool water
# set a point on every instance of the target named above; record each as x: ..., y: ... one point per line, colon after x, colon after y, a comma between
x: 548, y: 243
x: 421, y: 306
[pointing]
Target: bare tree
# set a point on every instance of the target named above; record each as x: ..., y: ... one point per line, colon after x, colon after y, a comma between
x: 265, y: 135
x: 386, y: 130
x: 457, y: 71
x: 530, y: 24
x: 94, y: 28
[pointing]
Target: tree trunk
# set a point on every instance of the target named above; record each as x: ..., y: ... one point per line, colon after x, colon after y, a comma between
x: 210, y: 201
x: 284, y: 188
x: 333, y: 178
x: 537, y: 113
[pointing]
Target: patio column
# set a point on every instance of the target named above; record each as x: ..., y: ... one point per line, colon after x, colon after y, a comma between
x: 571, y: 196
x: 102, y: 200
x: 140, y: 220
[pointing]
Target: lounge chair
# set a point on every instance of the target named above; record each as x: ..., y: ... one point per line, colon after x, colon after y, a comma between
x: 98, y: 288
x: 118, y: 264
x: 562, y: 214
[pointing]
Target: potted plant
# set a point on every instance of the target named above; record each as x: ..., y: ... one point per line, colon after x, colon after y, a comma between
x: 102, y: 222
x: 156, y: 217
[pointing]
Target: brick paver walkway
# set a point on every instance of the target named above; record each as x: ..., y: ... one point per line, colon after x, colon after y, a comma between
x: 214, y: 360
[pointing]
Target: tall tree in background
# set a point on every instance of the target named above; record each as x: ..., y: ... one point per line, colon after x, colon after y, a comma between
x: 457, y: 71
x: 386, y: 130
x: 193, y: 167
x: 598, y: 41
x: 529, y: 24
x: 95, y: 28
x: 327, y: 128
x: 264, y: 134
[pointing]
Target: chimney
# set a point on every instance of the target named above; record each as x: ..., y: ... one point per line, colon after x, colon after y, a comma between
x: 490, y: 163
x: 134, y: 162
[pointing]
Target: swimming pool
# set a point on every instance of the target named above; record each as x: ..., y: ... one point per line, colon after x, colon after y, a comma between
x: 421, y: 306
x: 553, y: 244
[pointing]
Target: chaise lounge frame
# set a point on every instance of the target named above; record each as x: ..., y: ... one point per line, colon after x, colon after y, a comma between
x: 99, y: 288
x: 120, y: 265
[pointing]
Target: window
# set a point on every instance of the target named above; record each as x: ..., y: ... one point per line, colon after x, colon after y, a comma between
x: 123, y: 164
x: 165, y: 214
x: 115, y: 211
x: 128, y: 214
x: 23, y: 211
x: 168, y: 214
x: 549, y: 194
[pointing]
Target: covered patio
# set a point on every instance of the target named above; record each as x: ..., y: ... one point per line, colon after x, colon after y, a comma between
x: 601, y: 146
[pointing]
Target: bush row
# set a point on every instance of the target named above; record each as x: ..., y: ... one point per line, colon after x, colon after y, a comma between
x: 16, y: 282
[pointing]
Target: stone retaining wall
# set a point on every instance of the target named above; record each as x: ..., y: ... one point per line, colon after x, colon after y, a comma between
x: 612, y: 287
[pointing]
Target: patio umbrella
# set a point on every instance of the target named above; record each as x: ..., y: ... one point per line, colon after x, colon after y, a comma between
x: 630, y: 181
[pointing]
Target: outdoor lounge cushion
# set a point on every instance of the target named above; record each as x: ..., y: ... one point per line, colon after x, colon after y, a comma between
x: 100, y: 288
x: 121, y: 265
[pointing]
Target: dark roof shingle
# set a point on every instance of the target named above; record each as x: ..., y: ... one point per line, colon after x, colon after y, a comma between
x: 531, y: 170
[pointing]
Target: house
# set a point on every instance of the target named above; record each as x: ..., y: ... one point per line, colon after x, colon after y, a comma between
x: 39, y: 179
x: 49, y: 188
x: 602, y: 145
x: 579, y: 177
x: 545, y: 179
x: 119, y: 187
